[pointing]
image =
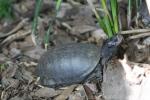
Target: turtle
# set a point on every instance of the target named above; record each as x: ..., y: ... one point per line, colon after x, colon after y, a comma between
x: 76, y: 63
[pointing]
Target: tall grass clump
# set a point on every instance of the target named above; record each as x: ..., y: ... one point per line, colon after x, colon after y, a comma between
x: 107, y: 16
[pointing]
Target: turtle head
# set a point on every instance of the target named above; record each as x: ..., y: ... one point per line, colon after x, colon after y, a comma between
x: 111, y: 48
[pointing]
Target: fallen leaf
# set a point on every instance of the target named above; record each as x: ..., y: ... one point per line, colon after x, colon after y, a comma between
x: 45, y: 92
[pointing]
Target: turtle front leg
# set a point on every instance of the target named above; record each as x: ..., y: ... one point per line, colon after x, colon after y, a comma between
x: 134, y: 73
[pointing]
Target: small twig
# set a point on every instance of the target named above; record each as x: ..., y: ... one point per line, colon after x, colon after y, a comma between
x: 19, y: 26
x: 66, y: 25
x: 2, y: 95
x: 139, y: 35
x: 73, y: 3
x: 135, y: 31
x: 89, y: 93
x: 14, y: 37
x: 64, y: 95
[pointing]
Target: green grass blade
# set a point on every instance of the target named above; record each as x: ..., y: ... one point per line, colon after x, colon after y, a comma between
x: 2, y: 67
x: 114, y: 11
x: 102, y: 25
x: 138, y: 3
x: 99, y: 19
x: 36, y: 14
x: 47, y: 35
x: 58, y: 4
x: 129, y: 11
x: 116, y: 24
x: 108, y: 26
x: 108, y: 20
x: 106, y: 11
x: 6, y: 9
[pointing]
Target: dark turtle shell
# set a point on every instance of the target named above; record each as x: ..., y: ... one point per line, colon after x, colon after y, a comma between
x: 76, y: 62
x: 68, y: 64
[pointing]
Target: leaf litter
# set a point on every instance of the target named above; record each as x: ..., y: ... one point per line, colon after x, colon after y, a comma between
x: 19, y: 56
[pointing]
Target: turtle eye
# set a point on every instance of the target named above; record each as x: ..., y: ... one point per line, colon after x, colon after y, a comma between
x: 110, y: 44
x: 115, y: 41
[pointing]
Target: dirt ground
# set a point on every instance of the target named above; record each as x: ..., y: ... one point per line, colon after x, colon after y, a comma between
x: 75, y: 23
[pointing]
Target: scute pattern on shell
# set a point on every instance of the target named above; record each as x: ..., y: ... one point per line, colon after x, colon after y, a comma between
x: 68, y: 64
